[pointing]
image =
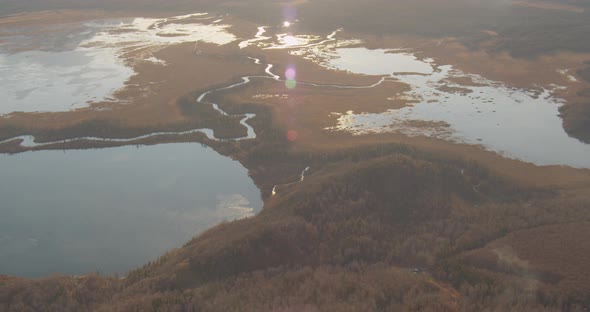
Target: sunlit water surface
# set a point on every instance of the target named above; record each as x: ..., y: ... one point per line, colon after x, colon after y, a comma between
x: 78, y: 65
x: 518, y: 123
x: 111, y: 210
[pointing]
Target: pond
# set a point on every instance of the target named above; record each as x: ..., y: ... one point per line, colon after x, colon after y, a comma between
x: 112, y: 210
x: 71, y: 66
x: 517, y: 123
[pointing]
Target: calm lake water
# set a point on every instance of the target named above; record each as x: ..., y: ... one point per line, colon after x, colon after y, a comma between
x: 111, y: 210
x: 517, y: 123
x: 67, y: 67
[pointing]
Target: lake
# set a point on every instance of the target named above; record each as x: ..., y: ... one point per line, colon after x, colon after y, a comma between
x: 112, y: 210
x: 517, y: 123
x: 73, y: 66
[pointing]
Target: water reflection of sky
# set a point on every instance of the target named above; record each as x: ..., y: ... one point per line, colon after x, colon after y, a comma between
x: 39, y: 81
x: 113, y: 209
x: 517, y: 123
x: 67, y: 67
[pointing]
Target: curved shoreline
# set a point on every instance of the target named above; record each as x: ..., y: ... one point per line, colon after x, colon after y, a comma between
x: 28, y: 141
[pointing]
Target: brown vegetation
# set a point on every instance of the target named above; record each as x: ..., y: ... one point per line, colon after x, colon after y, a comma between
x: 509, y: 56
x: 376, y: 225
x: 348, y: 236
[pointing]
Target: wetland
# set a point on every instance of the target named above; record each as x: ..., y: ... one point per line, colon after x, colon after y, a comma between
x: 214, y: 155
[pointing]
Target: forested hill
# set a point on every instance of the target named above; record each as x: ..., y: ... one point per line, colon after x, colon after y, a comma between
x: 375, y: 229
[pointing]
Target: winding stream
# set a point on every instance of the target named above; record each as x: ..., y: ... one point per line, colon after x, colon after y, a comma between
x: 301, y: 179
x: 28, y: 141
x: 513, y: 122
x: 63, y: 212
x: 521, y: 124
x: 70, y: 66
x: 517, y: 123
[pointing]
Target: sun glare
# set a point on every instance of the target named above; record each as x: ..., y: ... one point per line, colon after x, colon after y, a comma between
x: 292, y: 41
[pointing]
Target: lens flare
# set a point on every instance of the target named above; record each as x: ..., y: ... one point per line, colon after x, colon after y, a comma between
x: 289, y: 14
x: 290, y: 73
x: 290, y: 84
x: 286, y: 24
x: 290, y: 77
x: 292, y: 135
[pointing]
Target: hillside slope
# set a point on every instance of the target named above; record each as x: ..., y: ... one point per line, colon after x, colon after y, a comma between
x: 377, y: 229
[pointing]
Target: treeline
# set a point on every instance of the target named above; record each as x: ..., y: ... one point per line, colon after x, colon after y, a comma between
x: 376, y: 229
x: 394, y: 210
x: 57, y: 293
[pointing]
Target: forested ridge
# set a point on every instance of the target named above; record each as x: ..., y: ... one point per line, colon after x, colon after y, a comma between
x: 383, y: 228
x: 377, y: 227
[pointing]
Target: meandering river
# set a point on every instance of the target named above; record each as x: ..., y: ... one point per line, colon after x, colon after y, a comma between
x: 111, y: 210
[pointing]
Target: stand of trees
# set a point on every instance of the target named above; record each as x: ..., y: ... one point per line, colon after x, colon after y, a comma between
x: 374, y: 229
